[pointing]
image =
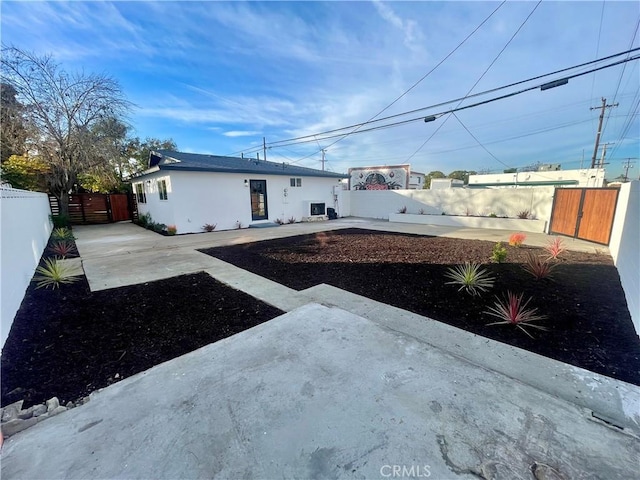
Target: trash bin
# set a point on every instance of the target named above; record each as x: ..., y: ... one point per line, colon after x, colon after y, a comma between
x: 331, y: 213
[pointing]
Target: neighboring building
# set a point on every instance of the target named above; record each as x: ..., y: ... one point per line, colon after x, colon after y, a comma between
x: 589, y: 177
x: 385, y: 177
x: 416, y: 180
x: 445, y: 183
x: 190, y: 190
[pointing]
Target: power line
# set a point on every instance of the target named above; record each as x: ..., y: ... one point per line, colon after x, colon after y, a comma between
x: 432, y: 70
x: 543, y: 86
x: 621, y: 75
x: 294, y: 139
x: 471, y: 89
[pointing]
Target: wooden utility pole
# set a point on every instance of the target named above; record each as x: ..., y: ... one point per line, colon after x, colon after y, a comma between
x: 602, y: 109
x: 264, y: 148
x: 323, y: 150
x: 627, y: 166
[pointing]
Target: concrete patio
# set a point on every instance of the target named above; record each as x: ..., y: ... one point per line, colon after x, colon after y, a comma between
x: 339, y: 387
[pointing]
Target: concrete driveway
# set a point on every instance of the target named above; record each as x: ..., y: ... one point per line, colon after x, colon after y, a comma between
x: 339, y: 387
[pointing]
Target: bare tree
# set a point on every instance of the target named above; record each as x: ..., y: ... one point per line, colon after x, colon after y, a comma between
x: 63, y: 109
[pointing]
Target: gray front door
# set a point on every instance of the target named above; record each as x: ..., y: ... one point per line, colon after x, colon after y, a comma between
x: 258, y: 199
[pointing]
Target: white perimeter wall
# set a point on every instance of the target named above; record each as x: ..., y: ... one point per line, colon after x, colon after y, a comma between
x: 196, y: 198
x: 625, y: 246
x: 454, y: 201
x: 24, y: 231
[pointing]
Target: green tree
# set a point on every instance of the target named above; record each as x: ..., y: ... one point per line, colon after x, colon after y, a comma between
x: 138, y: 151
x: 24, y: 172
x: 461, y: 175
x: 62, y: 109
x: 13, y: 133
x: 430, y: 175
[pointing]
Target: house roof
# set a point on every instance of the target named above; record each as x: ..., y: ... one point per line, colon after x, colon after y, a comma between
x: 181, y: 161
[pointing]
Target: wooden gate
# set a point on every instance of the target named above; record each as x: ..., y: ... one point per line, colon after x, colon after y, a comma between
x: 584, y: 213
x: 119, y: 203
x: 90, y: 208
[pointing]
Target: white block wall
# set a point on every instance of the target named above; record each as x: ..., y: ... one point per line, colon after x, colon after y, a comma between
x: 24, y: 231
x: 625, y: 246
x: 196, y: 198
x: 454, y: 201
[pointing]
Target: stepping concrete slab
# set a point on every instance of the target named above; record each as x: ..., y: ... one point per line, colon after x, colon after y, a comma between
x: 320, y: 393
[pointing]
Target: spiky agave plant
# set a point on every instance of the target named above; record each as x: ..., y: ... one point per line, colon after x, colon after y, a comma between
x: 62, y: 248
x: 62, y: 233
x: 470, y: 277
x: 54, y: 273
x: 512, y: 311
x: 555, y: 247
x: 537, y: 266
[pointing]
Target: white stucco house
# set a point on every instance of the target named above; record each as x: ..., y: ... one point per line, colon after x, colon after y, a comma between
x: 189, y: 190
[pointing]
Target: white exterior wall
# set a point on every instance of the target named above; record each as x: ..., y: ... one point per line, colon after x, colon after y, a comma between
x: 588, y: 177
x: 625, y: 246
x: 444, y: 183
x: 454, y: 201
x: 197, y: 198
x: 24, y: 231
x: 162, y: 211
x: 416, y: 181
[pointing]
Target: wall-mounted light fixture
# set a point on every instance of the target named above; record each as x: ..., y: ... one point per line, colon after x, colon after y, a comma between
x: 246, y: 182
x: 148, y: 182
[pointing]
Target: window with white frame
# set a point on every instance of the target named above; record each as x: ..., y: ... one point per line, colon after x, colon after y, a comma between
x: 295, y: 182
x: 162, y: 189
x: 141, y: 197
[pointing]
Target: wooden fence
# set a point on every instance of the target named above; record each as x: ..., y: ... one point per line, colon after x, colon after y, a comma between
x: 92, y: 208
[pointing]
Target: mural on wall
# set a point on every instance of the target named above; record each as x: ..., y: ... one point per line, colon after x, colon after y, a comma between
x: 393, y: 177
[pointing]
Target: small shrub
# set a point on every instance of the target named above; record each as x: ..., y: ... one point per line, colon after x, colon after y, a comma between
x: 470, y: 277
x: 60, y: 221
x: 144, y: 220
x: 292, y: 220
x: 209, y: 227
x: 402, y: 209
x: 516, y: 239
x: 157, y: 227
x: 554, y: 248
x: 62, y: 248
x: 492, y: 215
x: 499, y: 254
x: 238, y: 224
x: 524, y: 214
x: 443, y: 213
x: 538, y: 267
x: 421, y: 211
x: 54, y: 273
x: 62, y: 233
x: 279, y: 221
x: 513, y: 312
x: 172, y: 230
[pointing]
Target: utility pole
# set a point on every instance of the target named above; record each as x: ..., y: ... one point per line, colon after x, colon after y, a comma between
x: 604, y: 154
x: 627, y: 166
x: 264, y: 148
x: 602, y: 109
x: 323, y: 150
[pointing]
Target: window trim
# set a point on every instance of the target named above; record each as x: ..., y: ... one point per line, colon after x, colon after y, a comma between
x: 141, y: 195
x: 295, y: 182
x: 162, y: 190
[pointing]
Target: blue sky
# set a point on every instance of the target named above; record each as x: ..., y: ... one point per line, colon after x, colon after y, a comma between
x: 218, y: 76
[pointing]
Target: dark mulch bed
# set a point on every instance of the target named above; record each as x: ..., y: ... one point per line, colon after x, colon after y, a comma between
x: 588, y: 319
x: 70, y: 342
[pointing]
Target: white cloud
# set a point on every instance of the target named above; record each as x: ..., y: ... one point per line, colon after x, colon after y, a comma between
x: 241, y: 133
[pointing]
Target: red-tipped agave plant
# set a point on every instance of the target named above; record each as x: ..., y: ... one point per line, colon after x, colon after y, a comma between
x: 512, y: 311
